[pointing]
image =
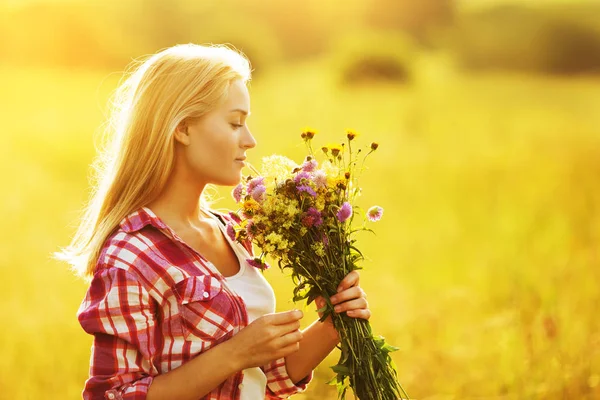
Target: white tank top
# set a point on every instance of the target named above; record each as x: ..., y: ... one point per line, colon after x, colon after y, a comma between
x: 257, y: 293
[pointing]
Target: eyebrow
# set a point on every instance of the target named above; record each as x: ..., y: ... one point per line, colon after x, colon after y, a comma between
x: 240, y: 110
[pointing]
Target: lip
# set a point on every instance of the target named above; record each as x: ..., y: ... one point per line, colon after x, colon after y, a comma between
x: 241, y: 159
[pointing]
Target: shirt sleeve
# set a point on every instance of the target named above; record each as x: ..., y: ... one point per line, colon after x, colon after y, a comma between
x: 279, y: 384
x: 119, y: 313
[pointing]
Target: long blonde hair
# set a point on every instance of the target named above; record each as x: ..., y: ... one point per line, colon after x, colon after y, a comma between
x: 155, y: 96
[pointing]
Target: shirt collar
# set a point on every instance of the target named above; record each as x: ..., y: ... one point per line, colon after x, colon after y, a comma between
x: 140, y: 219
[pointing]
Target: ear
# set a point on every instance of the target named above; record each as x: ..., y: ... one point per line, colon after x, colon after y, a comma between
x: 181, y: 134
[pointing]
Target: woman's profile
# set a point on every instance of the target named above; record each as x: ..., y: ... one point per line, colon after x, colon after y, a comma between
x: 175, y: 310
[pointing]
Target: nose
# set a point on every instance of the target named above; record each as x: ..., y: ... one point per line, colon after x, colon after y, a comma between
x: 247, y: 140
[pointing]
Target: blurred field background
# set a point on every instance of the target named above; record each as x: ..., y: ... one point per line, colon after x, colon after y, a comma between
x: 485, y: 268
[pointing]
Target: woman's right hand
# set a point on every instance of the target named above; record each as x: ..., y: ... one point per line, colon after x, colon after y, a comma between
x: 267, y: 338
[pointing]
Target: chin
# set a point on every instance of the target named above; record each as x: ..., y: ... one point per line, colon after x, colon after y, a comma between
x: 230, y: 180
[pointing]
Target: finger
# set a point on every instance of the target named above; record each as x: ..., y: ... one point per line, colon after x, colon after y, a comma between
x: 283, y: 318
x: 287, y: 350
x: 363, y: 314
x: 281, y: 330
x: 355, y: 304
x: 348, y: 294
x: 289, y: 338
x: 349, y: 280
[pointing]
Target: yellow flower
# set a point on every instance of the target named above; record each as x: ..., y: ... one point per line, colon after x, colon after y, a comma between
x: 250, y: 207
x: 335, y: 149
x: 308, y: 133
x: 318, y: 248
x: 351, y: 134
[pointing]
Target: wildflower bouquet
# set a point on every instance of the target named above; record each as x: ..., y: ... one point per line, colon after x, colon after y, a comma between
x: 301, y: 216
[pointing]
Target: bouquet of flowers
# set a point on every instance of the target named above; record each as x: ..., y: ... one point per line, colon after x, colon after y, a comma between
x: 301, y: 216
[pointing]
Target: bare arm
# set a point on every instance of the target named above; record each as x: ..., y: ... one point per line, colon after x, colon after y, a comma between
x: 320, y: 338
x: 269, y: 337
x: 214, y: 366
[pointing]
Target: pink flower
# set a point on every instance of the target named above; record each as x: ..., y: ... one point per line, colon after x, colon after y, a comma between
x: 320, y: 178
x: 235, y: 217
x: 309, y: 165
x: 250, y: 229
x: 237, y: 192
x: 230, y: 231
x: 315, y: 215
x: 258, y: 193
x: 255, y: 182
x: 257, y: 263
x: 345, y: 212
x: 307, y: 189
x: 312, y: 217
x: 375, y: 213
x: 302, y: 175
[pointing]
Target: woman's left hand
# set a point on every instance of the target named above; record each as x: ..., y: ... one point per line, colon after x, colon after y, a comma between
x: 350, y: 297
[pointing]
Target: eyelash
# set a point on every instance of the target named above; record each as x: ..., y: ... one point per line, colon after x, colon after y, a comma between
x: 237, y: 126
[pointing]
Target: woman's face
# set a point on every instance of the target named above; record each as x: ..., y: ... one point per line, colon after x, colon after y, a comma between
x: 216, y: 143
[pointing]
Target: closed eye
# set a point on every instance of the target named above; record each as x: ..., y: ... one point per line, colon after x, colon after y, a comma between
x: 237, y: 126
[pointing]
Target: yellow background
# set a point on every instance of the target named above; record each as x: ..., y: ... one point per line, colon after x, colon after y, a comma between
x: 484, y: 270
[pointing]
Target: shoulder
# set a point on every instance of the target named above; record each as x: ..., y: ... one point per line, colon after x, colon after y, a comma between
x: 145, y: 255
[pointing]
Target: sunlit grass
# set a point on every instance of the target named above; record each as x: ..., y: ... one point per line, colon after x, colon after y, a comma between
x: 484, y: 269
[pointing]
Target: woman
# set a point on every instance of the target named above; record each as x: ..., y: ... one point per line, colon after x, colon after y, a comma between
x: 175, y: 310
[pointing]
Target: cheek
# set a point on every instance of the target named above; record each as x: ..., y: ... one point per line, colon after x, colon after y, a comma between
x: 211, y: 158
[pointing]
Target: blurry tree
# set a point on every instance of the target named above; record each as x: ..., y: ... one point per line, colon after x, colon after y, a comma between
x: 366, y: 56
x: 417, y: 17
x: 528, y: 39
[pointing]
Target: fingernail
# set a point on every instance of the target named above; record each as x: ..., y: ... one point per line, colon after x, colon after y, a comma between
x: 333, y: 299
x: 337, y: 308
x: 339, y: 289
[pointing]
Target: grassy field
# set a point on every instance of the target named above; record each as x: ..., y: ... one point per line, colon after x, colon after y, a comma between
x: 485, y: 267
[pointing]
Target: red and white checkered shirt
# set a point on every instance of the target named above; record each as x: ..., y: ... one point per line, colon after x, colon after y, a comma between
x: 153, y: 304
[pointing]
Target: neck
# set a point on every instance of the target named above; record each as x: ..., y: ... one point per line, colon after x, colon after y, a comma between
x: 179, y: 203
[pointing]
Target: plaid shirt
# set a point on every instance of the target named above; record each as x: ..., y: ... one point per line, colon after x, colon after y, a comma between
x: 153, y: 304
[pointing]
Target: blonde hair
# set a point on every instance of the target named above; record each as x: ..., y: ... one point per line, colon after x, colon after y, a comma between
x: 155, y: 96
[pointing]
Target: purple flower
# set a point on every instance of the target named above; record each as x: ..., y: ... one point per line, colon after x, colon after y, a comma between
x: 325, y: 239
x: 345, y: 212
x: 309, y: 165
x: 316, y: 215
x: 257, y: 263
x: 258, y: 193
x: 235, y: 217
x: 230, y: 231
x: 250, y: 229
x: 312, y: 217
x: 302, y: 175
x: 255, y: 182
x: 307, y: 189
x: 237, y: 192
x: 375, y: 213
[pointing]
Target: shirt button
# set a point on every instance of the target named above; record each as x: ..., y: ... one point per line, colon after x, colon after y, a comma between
x: 206, y: 295
x: 241, y: 385
x: 111, y: 396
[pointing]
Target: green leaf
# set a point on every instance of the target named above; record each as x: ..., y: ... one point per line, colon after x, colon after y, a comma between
x: 325, y: 315
x: 388, y: 348
x: 341, y: 369
x: 322, y: 309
